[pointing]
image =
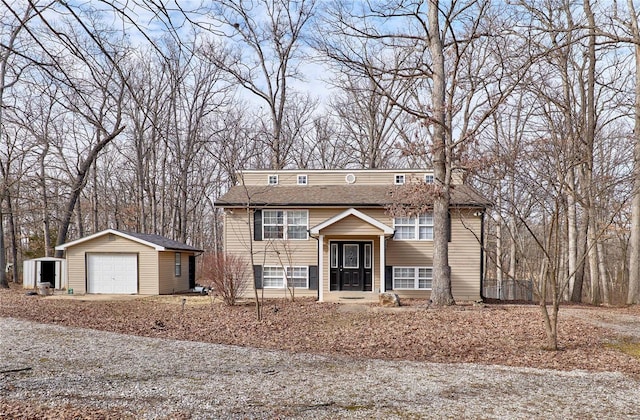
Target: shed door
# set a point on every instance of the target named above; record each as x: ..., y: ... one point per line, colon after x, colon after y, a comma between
x: 112, y: 273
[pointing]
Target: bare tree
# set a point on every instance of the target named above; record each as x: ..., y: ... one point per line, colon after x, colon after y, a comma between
x: 455, y: 75
x: 264, y: 57
x: 370, y: 121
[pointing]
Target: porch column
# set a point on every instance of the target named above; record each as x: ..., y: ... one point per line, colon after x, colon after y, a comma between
x: 321, y: 268
x: 382, y: 270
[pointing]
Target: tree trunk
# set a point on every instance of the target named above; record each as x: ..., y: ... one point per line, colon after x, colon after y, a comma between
x: 581, y: 249
x: 441, y: 291
x: 79, y: 182
x: 572, y: 236
x: 633, y: 296
x: 3, y: 258
x: 603, y: 275
x: 14, y: 239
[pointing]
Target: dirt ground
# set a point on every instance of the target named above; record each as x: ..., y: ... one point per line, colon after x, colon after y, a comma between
x: 592, y: 339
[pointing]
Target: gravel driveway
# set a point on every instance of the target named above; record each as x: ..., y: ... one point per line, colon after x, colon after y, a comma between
x: 157, y: 378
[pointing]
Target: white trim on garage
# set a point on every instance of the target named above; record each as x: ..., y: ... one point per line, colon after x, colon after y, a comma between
x: 64, y: 247
x: 112, y: 273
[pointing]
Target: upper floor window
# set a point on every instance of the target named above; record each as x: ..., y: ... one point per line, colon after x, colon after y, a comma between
x: 414, y: 228
x: 273, y: 179
x: 399, y: 179
x: 428, y: 179
x: 302, y: 180
x: 285, y: 224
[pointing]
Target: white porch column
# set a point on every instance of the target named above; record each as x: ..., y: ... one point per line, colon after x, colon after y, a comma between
x: 321, y: 268
x: 382, y: 270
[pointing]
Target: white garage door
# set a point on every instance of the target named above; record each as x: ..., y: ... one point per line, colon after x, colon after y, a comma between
x: 112, y: 273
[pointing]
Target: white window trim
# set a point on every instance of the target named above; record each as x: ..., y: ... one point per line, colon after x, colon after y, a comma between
x: 273, y: 176
x: 285, y: 226
x: 284, y: 277
x: 416, y: 229
x: 416, y: 278
x: 302, y: 176
x: 399, y: 179
x: 177, y: 265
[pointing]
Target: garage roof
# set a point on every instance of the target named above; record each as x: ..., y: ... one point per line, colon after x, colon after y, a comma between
x: 159, y: 243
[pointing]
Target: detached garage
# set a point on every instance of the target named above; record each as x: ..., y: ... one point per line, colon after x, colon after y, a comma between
x: 117, y: 262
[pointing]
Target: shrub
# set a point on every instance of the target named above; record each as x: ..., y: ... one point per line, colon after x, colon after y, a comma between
x: 226, y: 275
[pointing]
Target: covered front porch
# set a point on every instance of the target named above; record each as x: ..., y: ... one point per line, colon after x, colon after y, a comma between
x: 351, y: 257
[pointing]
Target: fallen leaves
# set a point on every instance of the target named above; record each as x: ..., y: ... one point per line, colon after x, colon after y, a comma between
x: 494, y: 334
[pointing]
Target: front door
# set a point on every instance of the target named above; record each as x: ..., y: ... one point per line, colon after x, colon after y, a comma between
x: 48, y: 272
x: 351, y: 266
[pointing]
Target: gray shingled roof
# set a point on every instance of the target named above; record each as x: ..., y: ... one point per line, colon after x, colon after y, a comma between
x: 162, y: 241
x: 333, y: 196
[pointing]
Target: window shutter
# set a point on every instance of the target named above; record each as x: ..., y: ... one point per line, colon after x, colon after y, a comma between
x: 313, y: 277
x: 257, y: 225
x: 257, y: 276
x: 449, y: 223
x: 388, y: 278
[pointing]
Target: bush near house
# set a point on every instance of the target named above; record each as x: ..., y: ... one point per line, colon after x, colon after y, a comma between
x: 226, y: 275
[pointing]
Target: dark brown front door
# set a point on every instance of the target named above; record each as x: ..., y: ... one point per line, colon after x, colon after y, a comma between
x: 350, y: 266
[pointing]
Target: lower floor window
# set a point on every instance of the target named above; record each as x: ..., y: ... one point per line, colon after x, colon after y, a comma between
x: 412, y: 278
x: 274, y: 277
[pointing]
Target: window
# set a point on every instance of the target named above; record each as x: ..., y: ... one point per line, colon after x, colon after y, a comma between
x: 302, y: 180
x: 178, y: 265
x: 334, y: 255
x: 350, y: 256
x: 367, y: 255
x: 298, y: 277
x: 273, y: 180
x: 414, y: 228
x: 274, y: 277
x: 399, y: 179
x: 428, y: 179
x: 416, y: 278
x: 285, y: 224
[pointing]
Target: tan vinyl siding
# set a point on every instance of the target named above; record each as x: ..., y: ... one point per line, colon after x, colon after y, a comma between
x: 464, y: 255
x: 351, y: 225
x: 337, y: 177
x: 464, y: 249
x: 237, y: 242
x: 147, y: 262
x: 267, y: 252
x: 168, y: 281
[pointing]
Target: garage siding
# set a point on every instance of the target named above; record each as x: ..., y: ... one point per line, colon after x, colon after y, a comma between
x: 169, y: 283
x: 147, y: 262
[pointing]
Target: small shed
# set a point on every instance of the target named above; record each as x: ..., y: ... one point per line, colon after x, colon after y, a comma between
x: 44, y: 270
x: 118, y: 262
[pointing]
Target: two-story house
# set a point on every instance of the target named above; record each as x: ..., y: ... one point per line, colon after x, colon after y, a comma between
x: 330, y: 234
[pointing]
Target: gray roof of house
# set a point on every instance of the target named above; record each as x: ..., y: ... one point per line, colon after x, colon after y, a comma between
x: 162, y: 241
x: 334, y: 196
